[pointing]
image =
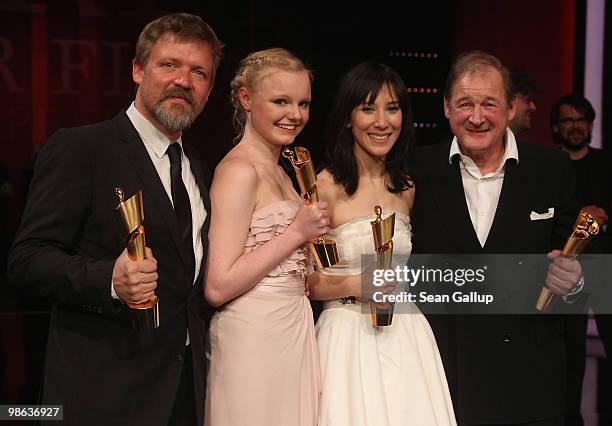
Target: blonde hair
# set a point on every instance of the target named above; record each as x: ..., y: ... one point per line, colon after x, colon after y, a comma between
x: 254, y: 68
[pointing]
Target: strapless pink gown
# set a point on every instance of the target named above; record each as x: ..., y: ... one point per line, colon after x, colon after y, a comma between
x: 263, y: 357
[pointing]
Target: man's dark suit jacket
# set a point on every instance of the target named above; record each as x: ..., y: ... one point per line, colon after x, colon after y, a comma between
x: 500, y: 368
x: 102, y: 371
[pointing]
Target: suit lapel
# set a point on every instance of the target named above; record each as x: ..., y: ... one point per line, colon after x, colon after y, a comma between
x: 152, y: 185
x: 450, y: 197
x: 514, y: 201
x: 198, y: 172
x: 200, y: 177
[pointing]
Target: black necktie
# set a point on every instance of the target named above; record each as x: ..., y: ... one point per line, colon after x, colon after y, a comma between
x: 180, y: 199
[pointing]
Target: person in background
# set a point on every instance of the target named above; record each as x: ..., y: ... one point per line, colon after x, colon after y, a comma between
x: 571, y: 124
x: 524, y: 89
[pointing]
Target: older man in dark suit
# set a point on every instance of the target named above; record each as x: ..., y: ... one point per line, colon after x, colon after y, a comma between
x: 483, y: 193
x: 71, y: 249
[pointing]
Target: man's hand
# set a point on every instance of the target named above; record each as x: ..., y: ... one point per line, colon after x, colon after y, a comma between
x: 135, y: 281
x: 563, y: 273
x: 598, y: 213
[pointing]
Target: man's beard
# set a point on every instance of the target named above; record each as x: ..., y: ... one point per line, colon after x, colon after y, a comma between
x: 177, y: 117
x: 569, y: 145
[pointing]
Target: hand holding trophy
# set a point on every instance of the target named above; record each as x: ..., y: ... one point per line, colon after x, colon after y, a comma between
x: 381, y: 314
x: 585, y: 228
x: 130, y: 213
x: 323, y: 251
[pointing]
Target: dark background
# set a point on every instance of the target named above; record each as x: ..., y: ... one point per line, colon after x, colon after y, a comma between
x: 68, y: 63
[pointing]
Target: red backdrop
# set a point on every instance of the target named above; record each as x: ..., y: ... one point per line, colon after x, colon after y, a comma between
x: 537, y: 36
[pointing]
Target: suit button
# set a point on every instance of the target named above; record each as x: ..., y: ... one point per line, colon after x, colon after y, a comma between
x: 179, y: 356
x: 507, y: 337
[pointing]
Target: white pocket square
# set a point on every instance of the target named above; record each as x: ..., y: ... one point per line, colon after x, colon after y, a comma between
x: 540, y: 216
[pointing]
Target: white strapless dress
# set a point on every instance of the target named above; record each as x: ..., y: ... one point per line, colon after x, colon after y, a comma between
x: 390, y: 376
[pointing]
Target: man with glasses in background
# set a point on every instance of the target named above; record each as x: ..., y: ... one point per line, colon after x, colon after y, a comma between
x: 571, y: 123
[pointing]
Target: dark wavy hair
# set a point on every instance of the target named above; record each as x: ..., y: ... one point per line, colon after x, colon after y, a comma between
x: 361, y: 85
x: 575, y: 100
x: 522, y: 81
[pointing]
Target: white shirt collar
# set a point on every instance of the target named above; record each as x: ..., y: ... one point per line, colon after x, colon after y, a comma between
x: 149, y: 133
x: 510, y: 153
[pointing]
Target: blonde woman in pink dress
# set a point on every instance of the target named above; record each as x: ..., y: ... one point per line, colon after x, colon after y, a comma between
x: 263, y: 357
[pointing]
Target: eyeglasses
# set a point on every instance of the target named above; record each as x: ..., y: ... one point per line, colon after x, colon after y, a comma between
x: 570, y: 120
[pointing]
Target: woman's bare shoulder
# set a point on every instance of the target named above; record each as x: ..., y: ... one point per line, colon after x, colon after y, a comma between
x: 329, y: 189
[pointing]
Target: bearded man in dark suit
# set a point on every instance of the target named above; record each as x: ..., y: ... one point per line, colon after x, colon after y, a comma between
x: 484, y: 193
x: 71, y: 249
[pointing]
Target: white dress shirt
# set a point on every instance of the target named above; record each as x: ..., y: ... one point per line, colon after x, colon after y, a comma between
x: 156, y: 144
x: 482, y: 192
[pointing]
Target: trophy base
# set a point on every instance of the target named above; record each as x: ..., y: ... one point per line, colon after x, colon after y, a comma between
x: 144, y: 316
x: 381, y: 315
x: 325, y: 253
x: 545, y: 300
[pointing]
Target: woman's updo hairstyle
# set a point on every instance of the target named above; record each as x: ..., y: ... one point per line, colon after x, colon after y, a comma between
x: 252, y: 71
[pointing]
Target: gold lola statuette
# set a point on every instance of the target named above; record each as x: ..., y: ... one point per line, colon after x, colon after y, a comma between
x: 143, y: 316
x: 324, y: 251
x: 585, y: 228
x: 381, y: 314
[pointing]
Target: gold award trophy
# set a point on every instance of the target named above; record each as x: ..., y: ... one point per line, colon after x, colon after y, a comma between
x: 143, y: 316
x: 585, y: 228
x: 324, y: 251
x: 381, y: 314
